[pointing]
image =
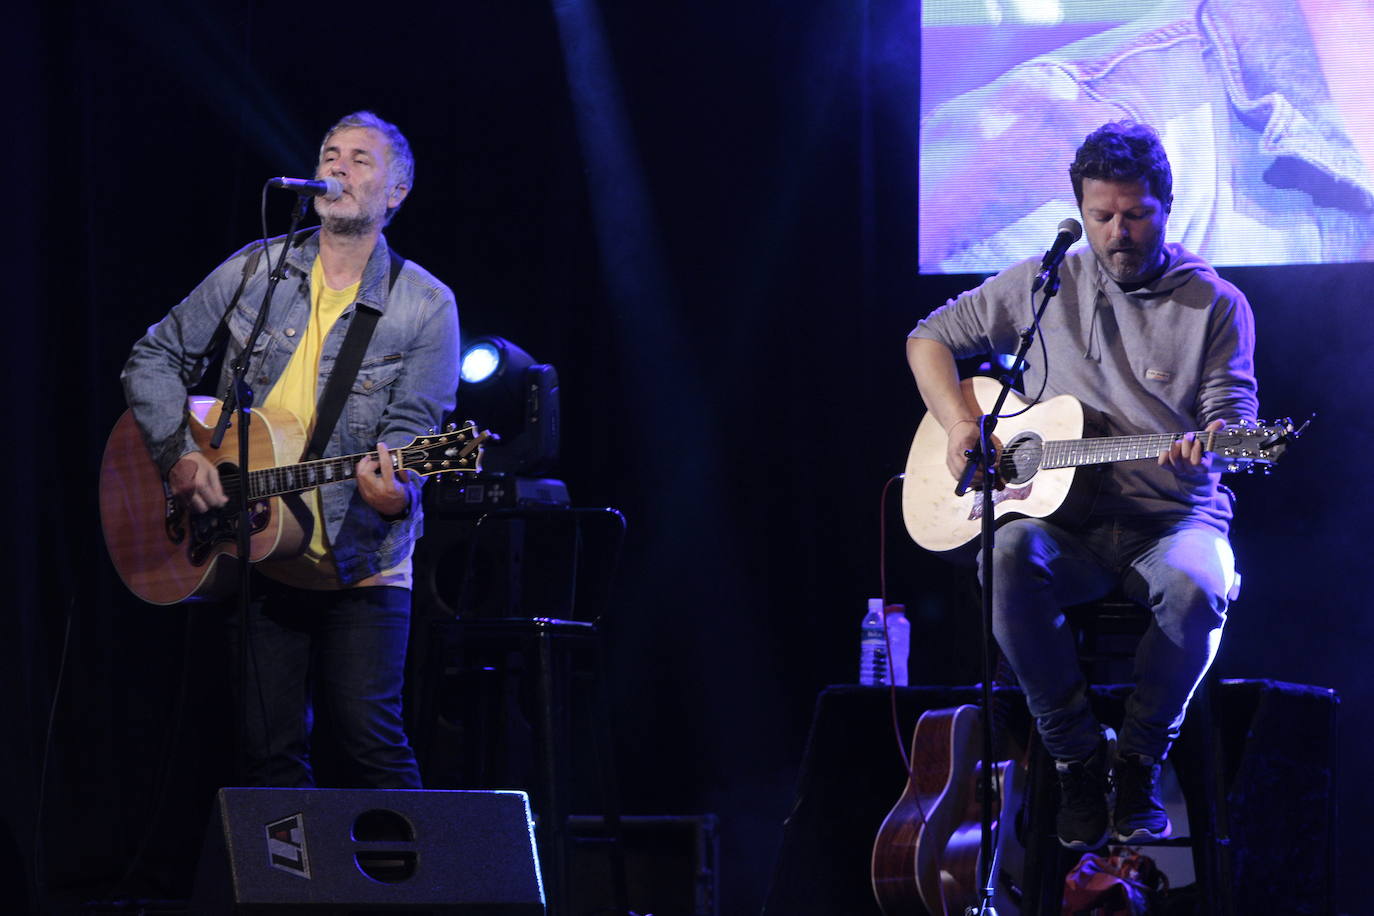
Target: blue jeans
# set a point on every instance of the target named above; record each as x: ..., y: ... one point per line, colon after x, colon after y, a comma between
x: 1182, y: 572
x: 338, y: 654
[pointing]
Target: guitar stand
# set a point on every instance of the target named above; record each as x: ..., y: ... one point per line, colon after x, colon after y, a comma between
x: 985, y: 460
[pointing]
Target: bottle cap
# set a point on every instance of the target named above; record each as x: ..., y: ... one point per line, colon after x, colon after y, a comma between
x: 898, y: 609
x: 875, y: 606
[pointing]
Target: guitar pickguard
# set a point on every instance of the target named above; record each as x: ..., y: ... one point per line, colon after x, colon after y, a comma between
x: 173, y: 516
x: 210, y: 529
x: 975, y: 511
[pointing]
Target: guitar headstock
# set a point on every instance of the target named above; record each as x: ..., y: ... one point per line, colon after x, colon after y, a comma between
x: 456, y: 450
x: 1249, y: 445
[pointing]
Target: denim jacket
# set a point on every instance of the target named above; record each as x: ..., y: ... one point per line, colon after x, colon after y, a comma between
x: 1264, y: 171
x: 406, y: 384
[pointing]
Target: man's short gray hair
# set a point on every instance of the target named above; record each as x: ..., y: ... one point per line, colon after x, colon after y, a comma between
x: 400, y: 162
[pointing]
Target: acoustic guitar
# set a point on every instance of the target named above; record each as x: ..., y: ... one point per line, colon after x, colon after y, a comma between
x: 1041, y: 462
x: 928, y: 851
x: 165, y: 554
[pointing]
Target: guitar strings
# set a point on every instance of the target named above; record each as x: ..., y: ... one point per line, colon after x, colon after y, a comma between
x: 262, y: 479
x: 287, y: 477
x: 1091, y: 451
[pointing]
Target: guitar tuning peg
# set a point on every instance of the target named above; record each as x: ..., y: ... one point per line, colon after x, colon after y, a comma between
x: 1233, y: 467
x: 450, y: 427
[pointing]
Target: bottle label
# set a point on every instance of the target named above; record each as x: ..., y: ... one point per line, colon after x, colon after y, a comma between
x: 873, y: 664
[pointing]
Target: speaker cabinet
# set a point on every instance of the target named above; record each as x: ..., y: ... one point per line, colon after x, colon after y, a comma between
x: 373, y: 851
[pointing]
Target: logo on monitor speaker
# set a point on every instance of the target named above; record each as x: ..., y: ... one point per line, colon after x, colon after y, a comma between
x: 286, y: 845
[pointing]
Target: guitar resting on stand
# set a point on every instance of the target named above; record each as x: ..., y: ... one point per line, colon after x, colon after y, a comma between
x: 927, y: 849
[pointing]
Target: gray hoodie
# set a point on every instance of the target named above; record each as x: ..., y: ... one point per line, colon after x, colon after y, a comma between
x: 1166, y: 358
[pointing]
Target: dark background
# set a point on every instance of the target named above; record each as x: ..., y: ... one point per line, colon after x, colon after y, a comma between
x: 710, y: 230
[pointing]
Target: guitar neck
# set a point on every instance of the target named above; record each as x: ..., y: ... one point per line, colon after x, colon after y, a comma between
x: 293, y: 478
x: 456, y: 450
x: 1069, y: 453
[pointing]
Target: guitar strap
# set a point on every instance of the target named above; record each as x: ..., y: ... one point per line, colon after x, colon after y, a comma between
x: 350, y: 357
x: 221, y: 335
x: 346, y: 369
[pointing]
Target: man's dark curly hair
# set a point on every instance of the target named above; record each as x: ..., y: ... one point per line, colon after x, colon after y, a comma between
x: 1124, y: 151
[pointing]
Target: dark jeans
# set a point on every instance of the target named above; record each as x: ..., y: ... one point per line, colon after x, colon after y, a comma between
x: 338, y: 655
x: 1182, y: 572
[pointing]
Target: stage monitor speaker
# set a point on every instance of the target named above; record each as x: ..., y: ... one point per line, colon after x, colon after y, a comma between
x: 373, y: 851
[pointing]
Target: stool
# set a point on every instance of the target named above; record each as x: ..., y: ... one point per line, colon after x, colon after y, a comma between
x: 546, y: 654
x: 1107, y: 631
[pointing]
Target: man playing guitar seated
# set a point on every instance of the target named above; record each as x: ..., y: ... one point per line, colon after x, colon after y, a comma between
x: 1151, y: 339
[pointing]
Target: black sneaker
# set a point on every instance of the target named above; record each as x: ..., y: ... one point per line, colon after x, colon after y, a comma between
x: 1082, y: 819
x: 1140, y: 815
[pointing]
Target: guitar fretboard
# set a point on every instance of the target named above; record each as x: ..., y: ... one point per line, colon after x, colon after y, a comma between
x: 292, y: 478
x: 1068, y: 453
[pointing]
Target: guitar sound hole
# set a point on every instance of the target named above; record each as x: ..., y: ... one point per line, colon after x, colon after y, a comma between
x: 1020, y: 458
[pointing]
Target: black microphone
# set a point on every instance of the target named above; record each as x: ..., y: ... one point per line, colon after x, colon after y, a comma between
x: 328, y: 188
x: 1070, y: 231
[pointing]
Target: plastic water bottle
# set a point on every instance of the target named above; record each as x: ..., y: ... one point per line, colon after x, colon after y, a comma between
x: 873, y: 666
x: 899, y: 638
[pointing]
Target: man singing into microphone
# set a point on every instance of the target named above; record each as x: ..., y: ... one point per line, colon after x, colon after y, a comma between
x: 1146, y: 335
x: 328, y: 628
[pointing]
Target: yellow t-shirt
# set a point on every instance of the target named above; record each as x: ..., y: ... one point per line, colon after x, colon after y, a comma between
x: 296, y: 391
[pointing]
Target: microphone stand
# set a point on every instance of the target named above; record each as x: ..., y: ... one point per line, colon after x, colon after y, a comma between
x: 238, y: 399
x: 985, y: 459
